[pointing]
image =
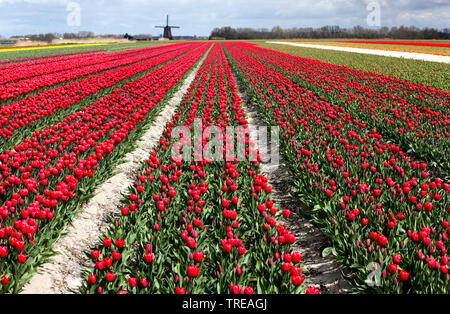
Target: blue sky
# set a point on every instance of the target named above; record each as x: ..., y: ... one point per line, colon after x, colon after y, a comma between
x: 199, y: 17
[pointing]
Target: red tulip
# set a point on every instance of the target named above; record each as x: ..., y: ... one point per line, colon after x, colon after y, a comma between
x: 148, y: 257
x: 92, y: 279
x: 95, y: 254
x: 21, y: 258
x: 120, y: 243
x: 107, y: 242
x: 132, y: 282
x: 403, y: 275
x: 4, y: 280
x: 192, y: 271
x: 312, y: 290
x: 297, y: 280
x: 296, y: 257
x: 3, y: 251
x: 143, y: 283
x: 392, y: 268
x: 285, y: 267
x: 198, y: 257
x: 109, y: 277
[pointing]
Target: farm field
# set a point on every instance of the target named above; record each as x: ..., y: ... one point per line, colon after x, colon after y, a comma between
x: 382, y: 51
x: 421, y: 72
x: 364, y: 141
x: 18, y: 53
x: 438, y: 47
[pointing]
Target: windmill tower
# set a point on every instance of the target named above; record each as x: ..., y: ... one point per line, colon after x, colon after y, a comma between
x: 167, y: 29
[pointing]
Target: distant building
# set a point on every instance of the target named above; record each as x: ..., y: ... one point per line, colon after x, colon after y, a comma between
x: 216, y: 38
x: 141, y: 37
x: 4, y: 41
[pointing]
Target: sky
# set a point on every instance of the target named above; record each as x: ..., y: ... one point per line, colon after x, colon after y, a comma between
x: 199, y: 17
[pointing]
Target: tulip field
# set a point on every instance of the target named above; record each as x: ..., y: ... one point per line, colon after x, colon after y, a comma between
x: 210, y: 222
x: 367, y: 156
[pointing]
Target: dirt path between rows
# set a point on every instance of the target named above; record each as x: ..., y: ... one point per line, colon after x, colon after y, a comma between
x: 64, y: 272
x: 324, y: 273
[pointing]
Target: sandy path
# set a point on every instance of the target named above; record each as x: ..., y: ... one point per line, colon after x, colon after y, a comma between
x: 387, y: 53
x: 63, y: 273
x: 323, y: 273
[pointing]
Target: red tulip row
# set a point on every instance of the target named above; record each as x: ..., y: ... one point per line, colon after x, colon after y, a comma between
x: 433, y: 97
x: 41, y: 176
x: 34, y: 83
x: 50, y: 66
x: 203, y: 226
x: 414, y: 116
x: 18, y: 115
x: 426, y: 103
x: 376, y: 204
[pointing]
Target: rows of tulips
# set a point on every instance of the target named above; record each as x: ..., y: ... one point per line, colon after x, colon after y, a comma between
x: 414, y: 71
x: 415, y: 117
x: 202, y: 226
x: 375, y: 203
x: 111, y: 61
x: 50, y: 106
x: 30, y: 60
x: 22, y: 71
x: 47, y: 177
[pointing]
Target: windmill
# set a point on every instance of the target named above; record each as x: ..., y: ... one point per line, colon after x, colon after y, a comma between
x: 167, y: 29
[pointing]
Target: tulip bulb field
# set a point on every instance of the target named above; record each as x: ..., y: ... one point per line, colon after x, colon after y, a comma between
x: 366, y: 156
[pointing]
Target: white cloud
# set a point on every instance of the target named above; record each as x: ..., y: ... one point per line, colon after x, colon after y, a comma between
x: 201, y: 16
x: 422, y: 17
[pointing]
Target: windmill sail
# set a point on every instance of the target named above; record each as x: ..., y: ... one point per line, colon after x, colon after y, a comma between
x: 167, y: 29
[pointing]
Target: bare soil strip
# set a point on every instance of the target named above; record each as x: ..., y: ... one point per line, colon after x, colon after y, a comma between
x: 64, y: 272
x: 324, y: 273
x: 387, y: 53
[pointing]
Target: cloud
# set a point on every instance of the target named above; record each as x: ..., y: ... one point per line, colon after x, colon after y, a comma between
x: 426, y: 17
x: 201, y: 16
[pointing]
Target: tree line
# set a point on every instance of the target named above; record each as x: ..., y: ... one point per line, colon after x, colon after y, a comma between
x: 402, y: 32
x: 48, y: 37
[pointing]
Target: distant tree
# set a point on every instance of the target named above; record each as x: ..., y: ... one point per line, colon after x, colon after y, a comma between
x: 277, y: 32
x: 85, y: 34
x: 41, y: 37
x: 402, y: 32
x: 69, y: 35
